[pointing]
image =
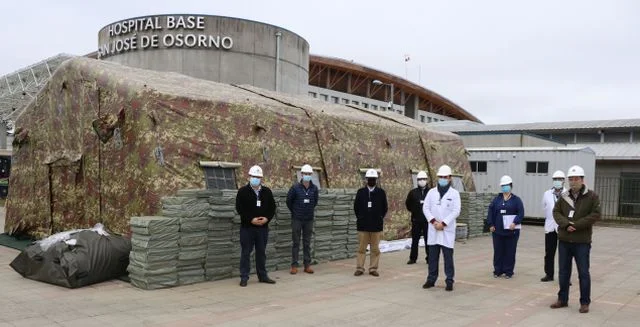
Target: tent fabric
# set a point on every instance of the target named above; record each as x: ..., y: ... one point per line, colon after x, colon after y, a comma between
x: 103, y: 142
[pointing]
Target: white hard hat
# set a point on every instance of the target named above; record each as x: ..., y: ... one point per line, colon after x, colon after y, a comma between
x: 306, y: 169
x: 371, y: 173
x: 505, y: 180
x: 575, y: 171
x: 444, y: 171
x: 422, y: 174
x: 255, y: 171
x: 558, y: 174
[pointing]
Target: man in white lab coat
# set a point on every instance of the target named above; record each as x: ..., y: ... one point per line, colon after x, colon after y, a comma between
x: 441, y: 208
x: 549, y: 200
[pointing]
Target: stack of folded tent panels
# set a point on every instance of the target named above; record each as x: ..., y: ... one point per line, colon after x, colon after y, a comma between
x: 153, y: 259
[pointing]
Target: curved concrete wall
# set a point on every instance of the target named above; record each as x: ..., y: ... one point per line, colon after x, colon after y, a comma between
x: 221, y: 49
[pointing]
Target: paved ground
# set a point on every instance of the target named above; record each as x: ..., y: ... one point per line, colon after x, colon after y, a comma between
x: 334, y: 297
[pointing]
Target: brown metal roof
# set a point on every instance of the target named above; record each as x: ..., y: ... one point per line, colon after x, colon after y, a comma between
x: 333, y: 73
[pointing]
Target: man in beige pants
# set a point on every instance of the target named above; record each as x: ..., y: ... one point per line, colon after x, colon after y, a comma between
x: 370, y: 207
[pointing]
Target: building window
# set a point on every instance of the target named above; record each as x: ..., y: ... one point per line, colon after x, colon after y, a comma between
x: 619, y: 137
x: 587, y: 137
x: 315, y: 178
x: 220, y: 175
x: 313, y: 94
x: 355, y: 103
x: 478, y: 166
x: 324, y: 97
x: 374, y: 107
x: 345, y: 101
x: 537, y: 167
x: 421, y: 118
x: 365, y: 105
x: 429, y: 119
x: 335, y: 99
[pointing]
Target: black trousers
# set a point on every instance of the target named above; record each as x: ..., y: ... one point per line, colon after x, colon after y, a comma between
x: 251, y: 237
x: 418, y: 230
x: 550, y: 246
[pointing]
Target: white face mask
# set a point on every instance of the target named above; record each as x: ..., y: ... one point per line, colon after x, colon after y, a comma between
x: 422, y: 183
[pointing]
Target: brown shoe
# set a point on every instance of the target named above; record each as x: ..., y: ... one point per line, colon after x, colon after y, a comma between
x: 374, y: 273
x: 294, y: 270
x: 558, y: 304
x: 584, y: 308
x: 358, y: 273
x: 308, y: 270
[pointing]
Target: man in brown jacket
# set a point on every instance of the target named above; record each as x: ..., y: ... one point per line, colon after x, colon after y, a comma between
x: 575, y: 213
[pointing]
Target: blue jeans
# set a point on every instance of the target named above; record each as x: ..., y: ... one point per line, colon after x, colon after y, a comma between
x: 434, y: 260
x: 504, y: 253
x: 251, y: 237
x: 581, y: 253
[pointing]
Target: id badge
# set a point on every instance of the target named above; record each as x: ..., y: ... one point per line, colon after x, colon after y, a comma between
x: 306, y: 201
x: 258, y: 203
x: 571, y: 214
x: 503, y: 211
x: 369, y: 204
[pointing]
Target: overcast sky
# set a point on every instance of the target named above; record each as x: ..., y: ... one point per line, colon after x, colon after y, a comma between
x: 503, y: 61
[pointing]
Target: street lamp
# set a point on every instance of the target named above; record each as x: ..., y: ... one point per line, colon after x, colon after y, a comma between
x: 379, y: 82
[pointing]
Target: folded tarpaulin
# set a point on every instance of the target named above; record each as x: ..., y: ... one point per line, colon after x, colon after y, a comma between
x: 85, y: 258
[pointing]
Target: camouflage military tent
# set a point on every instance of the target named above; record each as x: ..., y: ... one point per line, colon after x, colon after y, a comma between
x: 103, y: 142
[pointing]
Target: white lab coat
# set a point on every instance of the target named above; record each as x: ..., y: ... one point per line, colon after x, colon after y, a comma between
x: 548, y: 202
x: 444, y: 210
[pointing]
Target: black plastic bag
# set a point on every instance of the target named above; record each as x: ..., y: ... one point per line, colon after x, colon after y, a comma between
x: 90, y: 259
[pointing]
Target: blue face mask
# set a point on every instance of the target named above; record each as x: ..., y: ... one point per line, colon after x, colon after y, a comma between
x: 254, y: 181
x: 306, y: 178
x: 557, y: 184
x: 443, y: 182
x: 506, y: 188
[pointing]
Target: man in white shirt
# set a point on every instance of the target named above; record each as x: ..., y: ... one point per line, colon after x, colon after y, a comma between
x: 441, y: 208
x: 549, y: 200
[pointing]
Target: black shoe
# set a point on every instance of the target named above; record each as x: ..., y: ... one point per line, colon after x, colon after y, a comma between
x: 268, y: 281
x: 449, y: 287
x: 410, y: 262
x: 428, y: 284
x: 546, y: 279
x: 243, y: 283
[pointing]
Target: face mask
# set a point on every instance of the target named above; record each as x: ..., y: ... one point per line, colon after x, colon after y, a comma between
x: 254, y: 181
x: 371, y: 182
x: 557, y: 184
x: 506, y: 188
x: 443, y: 182
x: 422, y: 183
x: 306, y: 178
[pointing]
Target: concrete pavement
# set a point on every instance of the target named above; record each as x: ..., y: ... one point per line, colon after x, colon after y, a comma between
x: 334, y: 297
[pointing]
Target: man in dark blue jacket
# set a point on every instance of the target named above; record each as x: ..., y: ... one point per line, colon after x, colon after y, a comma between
x: 371, y: 208
x: 302, y: 199
x: 256, y: 206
